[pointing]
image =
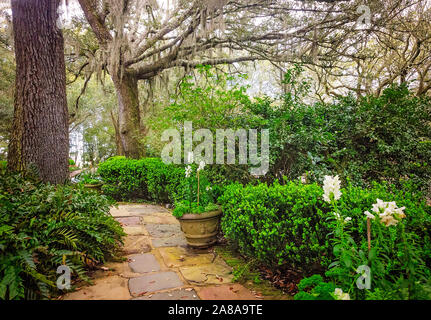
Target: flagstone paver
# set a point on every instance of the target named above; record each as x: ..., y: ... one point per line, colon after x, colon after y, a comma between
x: 129, y: 221
x: 180, y: 294
x: 160, y: 220
x: 215, y: 273
x: 136, y: 230
x: 162, y: 230
x: 136, y: 244
x: 144, y: 263
x: 159, y: 264
x: 226, y: 292
x: 154, y: 282
x: 180, y: 257
x: 175, y: 240
x: 108, y: 288
x: 147, y: 210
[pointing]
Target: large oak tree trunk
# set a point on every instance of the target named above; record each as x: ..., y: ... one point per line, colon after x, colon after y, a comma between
x: 40, y: 135
x: 129, y: 118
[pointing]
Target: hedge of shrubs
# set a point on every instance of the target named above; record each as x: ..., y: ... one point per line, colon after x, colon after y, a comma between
x: 148, y: 179
x: 290, y: 224
x: 44, y: 226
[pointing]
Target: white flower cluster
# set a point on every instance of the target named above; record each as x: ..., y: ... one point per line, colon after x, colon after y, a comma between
x: 338, y: 217
x: 340, y: 295
x: 388, y: 212
x: 188, y: 171
x: 331, y: 186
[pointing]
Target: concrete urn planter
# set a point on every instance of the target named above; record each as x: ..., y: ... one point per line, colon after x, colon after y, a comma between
x: 97, y: 187
x: 201, y: 229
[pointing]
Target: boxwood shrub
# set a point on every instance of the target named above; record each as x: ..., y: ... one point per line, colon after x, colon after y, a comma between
x: 149, y: 179
x: 289, y: 224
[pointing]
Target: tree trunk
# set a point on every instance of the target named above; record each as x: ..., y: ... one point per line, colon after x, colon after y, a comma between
x: 118, y: 144
x: 129, y: 118
x: 40, y: 136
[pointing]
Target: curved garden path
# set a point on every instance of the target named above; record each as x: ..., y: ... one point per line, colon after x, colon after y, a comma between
x: 159, y: 264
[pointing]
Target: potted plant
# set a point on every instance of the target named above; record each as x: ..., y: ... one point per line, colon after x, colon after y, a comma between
x: 197, y: 213
x: 90, y: 181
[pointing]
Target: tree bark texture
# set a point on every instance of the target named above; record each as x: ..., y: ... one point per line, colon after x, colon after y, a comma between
x: 40, y: 135
x: 129, y: 117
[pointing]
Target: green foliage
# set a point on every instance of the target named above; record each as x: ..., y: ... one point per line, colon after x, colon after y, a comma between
x: 3, y: 166
x: 148, y: 179
x: 185, y: 207
x: 72, y: 162
x: 399, y: 255
x: 289, y: 224
x: 384, y: 138
x: 7, y: 86
x: 278, y: 224
x: 87, y: 177
x: 314, y: 288
x: 210, y: 100
x: 197, y: 196
x: 43, y: 225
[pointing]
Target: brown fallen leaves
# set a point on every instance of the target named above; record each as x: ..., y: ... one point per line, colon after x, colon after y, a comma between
x: 286, y: 280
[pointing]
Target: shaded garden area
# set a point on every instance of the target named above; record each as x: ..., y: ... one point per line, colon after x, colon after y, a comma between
x: 342, y: 210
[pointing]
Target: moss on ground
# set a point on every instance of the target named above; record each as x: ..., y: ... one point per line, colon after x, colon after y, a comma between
x: 245, y: 273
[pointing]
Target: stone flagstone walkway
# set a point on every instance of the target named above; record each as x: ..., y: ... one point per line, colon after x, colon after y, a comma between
x: 159, y: 264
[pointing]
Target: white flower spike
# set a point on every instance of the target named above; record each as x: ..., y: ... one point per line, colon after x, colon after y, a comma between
x: 188, y: 171
x: 331, y: 187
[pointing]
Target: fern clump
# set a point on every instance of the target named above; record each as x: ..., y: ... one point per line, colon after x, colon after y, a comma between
x: 44, y: 226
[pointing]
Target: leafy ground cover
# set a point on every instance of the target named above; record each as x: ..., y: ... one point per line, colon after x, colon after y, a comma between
x: 43, y: 226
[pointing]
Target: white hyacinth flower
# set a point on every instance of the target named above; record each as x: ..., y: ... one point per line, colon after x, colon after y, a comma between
x: 188, y: 171
x: 331, y: 186
x: 348, y: 219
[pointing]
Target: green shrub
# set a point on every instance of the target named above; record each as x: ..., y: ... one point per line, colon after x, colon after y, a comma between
x: 148, y: 178
x: 385, y: 138
x: 3, y: 166
x: 314, y: 288
x: 373, y: 138
x: 44, y: 226
x: 289, y: 224
x: 278, y: 224
x: 72, y: 162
